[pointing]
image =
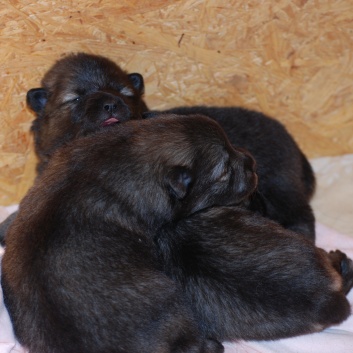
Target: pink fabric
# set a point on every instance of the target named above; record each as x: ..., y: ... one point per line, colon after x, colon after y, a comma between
x: 337, y: 339
x: 6, y: 211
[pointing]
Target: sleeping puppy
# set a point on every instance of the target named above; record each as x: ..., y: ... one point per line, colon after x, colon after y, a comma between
x: 80, y: 94
x: 286, y: 179
x: 248, y: 278
x: 80, y: 271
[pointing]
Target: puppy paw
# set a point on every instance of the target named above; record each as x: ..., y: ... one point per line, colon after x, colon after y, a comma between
x: 344, y: 266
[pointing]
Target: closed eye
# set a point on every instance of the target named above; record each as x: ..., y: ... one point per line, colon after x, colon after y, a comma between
x: 126, y: 91
x: 71, y: 98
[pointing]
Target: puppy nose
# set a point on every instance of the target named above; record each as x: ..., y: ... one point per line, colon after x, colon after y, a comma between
x: 110, y: 107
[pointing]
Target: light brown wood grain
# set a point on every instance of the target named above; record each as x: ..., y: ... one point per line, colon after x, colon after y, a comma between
x: 292, y: 60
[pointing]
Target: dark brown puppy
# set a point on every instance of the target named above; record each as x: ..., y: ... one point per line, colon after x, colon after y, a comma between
x: 80, y: 270
x: 286, y: 179
x: 80, y: 94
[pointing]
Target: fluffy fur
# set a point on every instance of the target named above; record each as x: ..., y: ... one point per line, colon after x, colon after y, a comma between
x: 286, y: 179
x: 69, y: 105
x: 86, y: 257
x: 80, y: 94
x: 249, y: 278
x: 80, y: 270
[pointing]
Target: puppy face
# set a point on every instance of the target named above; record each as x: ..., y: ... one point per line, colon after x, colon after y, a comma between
x: 202, y: 168
x: 163, y: 168
x: 211, y: 171
x: 81, y: 94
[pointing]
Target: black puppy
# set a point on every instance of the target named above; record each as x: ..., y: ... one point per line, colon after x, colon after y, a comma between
x: 249, y: 278
x: 80, y: 271
x: 80, y: 94
x: 286, y: 179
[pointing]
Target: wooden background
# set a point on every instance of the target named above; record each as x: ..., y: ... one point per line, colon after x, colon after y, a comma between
x: 291, y: 59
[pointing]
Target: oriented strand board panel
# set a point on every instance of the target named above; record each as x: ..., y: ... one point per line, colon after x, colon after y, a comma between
x: 291, y: 59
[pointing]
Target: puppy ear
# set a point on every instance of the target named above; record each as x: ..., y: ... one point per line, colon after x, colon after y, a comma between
x: 37, y: 99
x: 137, y: 81
x: 179, y: 180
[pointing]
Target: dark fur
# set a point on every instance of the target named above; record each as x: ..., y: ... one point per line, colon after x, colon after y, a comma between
x: 81, y: 272
x: 79, y: 93
x: 249, y: 278
x: 286, y: 179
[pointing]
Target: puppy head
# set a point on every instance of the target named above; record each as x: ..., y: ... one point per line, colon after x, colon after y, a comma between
x: 168, y: 167
x: 198, y: 165
x: 81, y: 94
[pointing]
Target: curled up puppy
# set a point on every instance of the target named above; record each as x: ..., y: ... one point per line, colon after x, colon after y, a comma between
x: 101, y: 256
x: 80, y: 271
x: 80, y: 94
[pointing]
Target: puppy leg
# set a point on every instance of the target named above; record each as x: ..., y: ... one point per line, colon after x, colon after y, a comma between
x: 344, y: 266
x: 248, y: 278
